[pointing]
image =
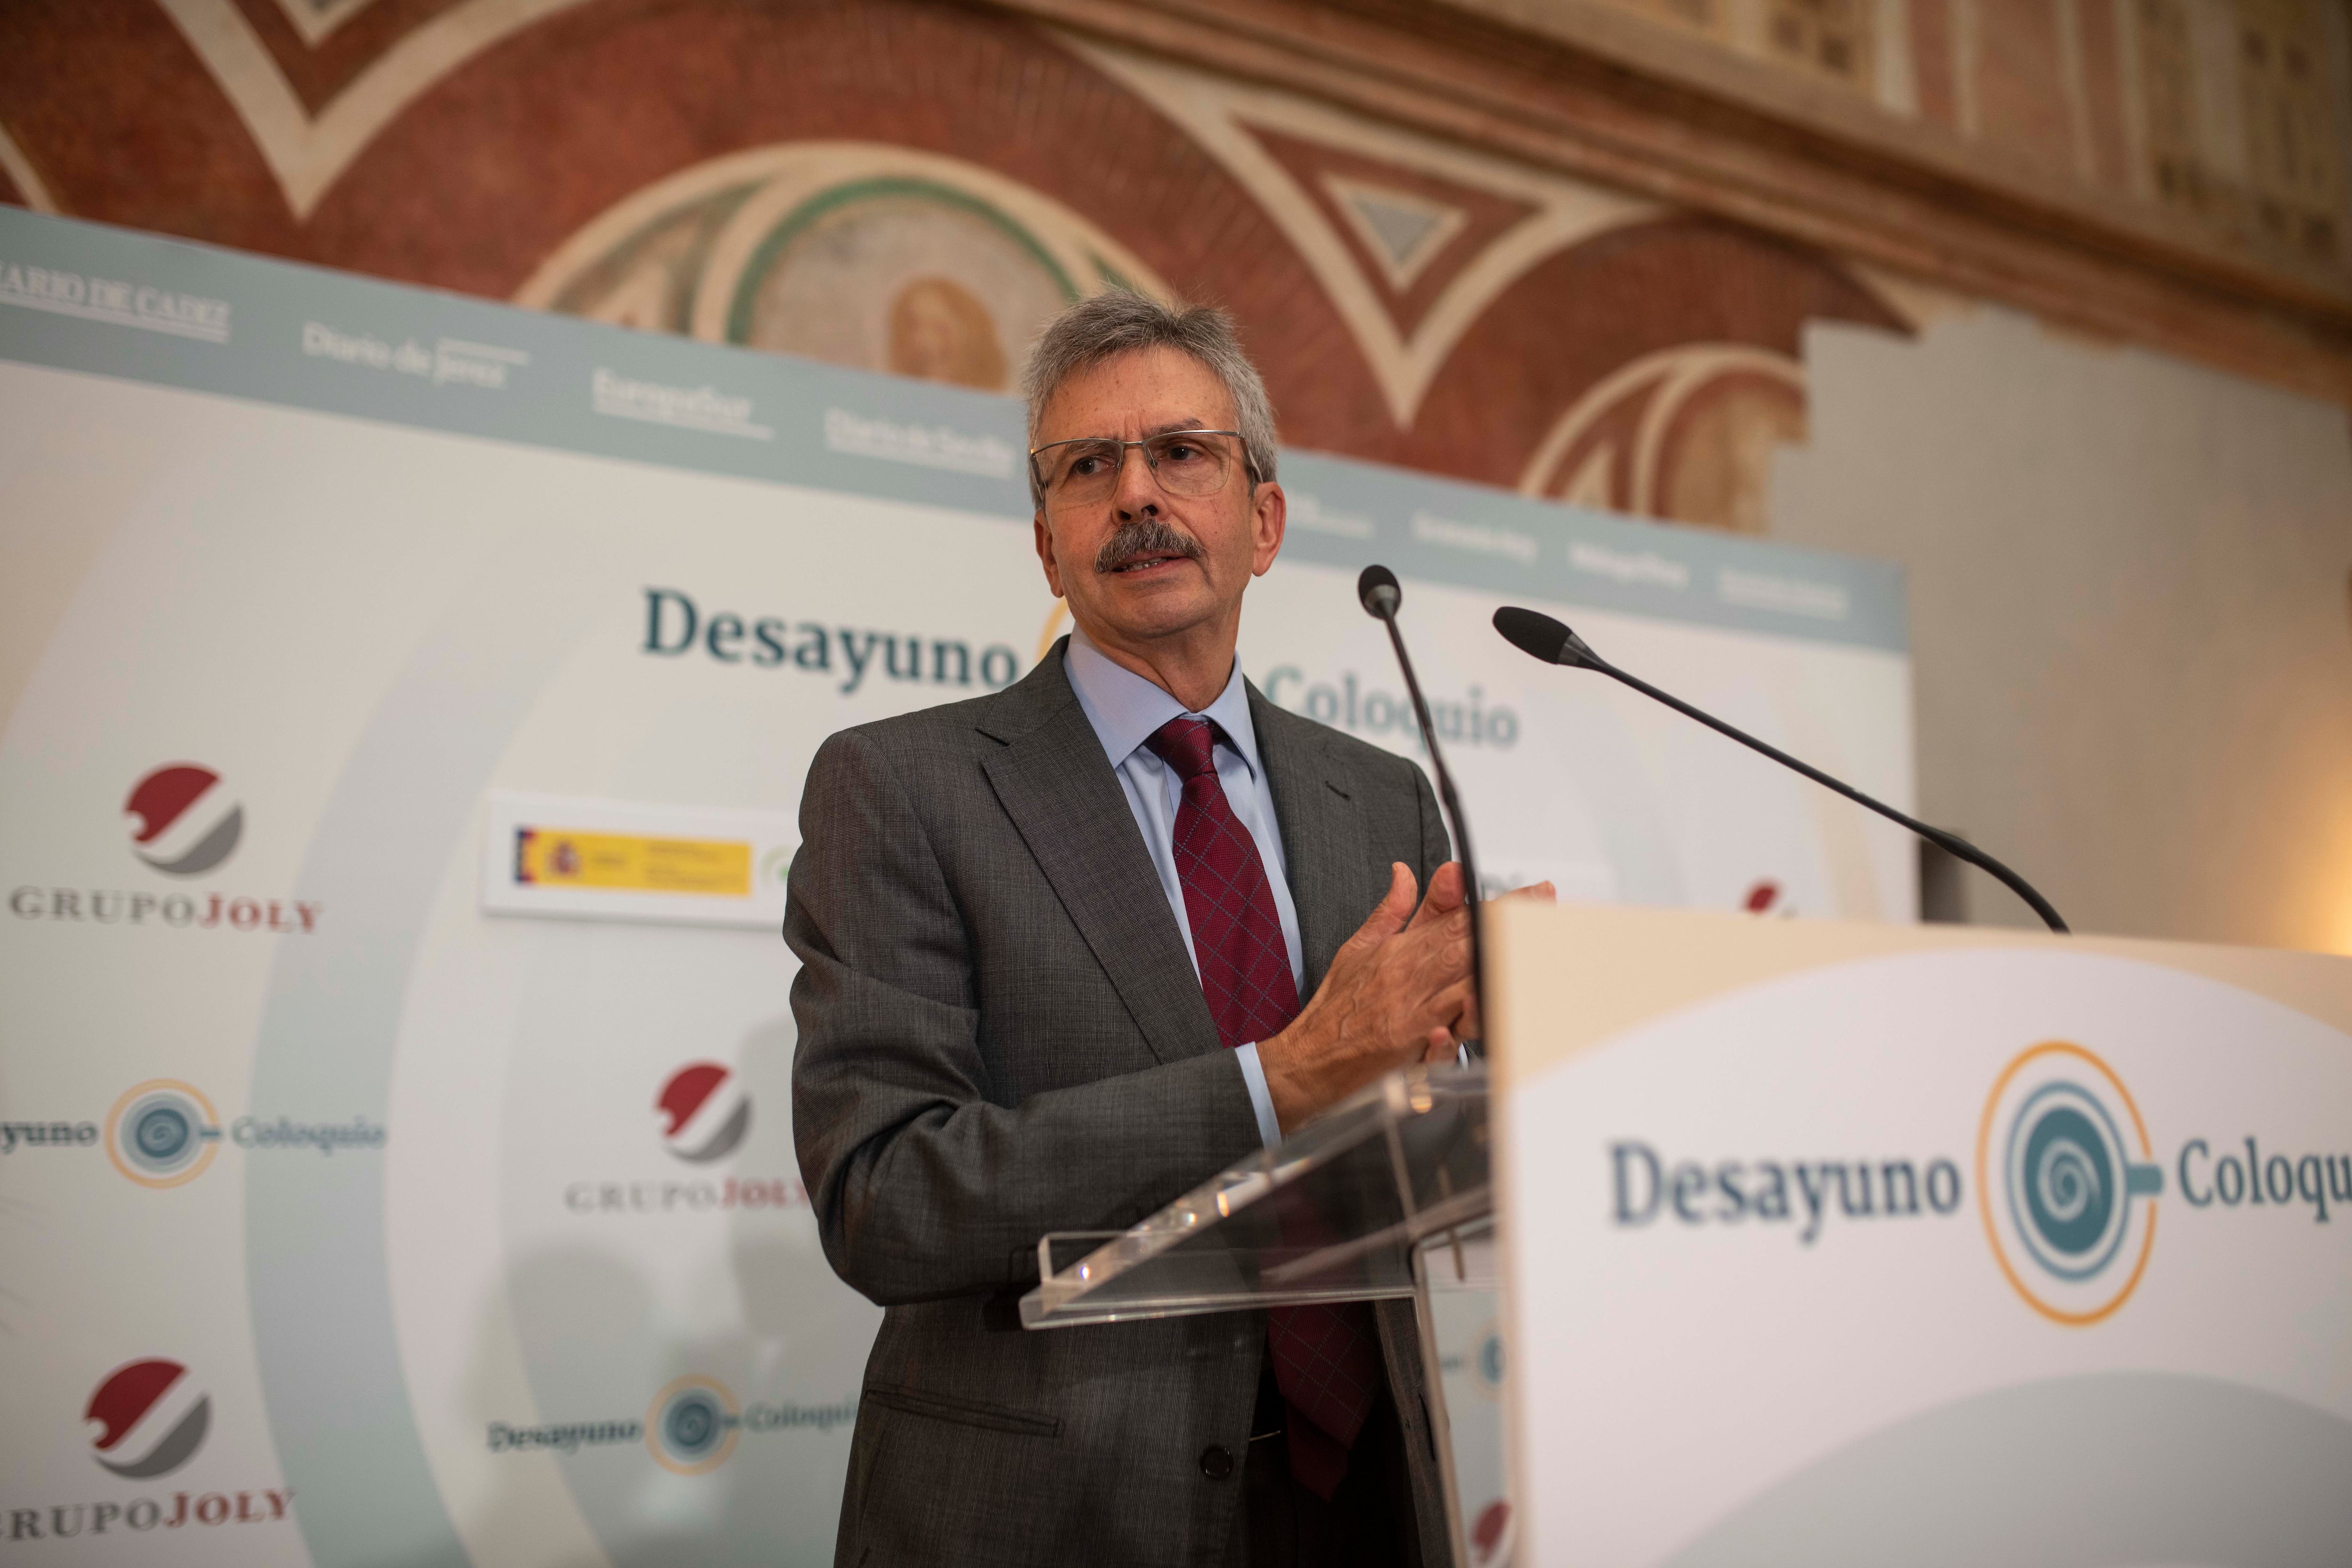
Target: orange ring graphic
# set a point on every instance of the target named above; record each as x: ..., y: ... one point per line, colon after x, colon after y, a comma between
x: 113, y: 1116
x: 1984, y: 1191
x: 653, y: 1427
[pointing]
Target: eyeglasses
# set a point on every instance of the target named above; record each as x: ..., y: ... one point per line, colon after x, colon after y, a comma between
x: 1185, y: 462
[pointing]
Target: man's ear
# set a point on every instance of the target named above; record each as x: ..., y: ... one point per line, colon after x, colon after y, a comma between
x: 1269, y: 517
x: 1045, y: 554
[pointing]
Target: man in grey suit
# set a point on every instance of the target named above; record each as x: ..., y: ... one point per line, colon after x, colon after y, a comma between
x: 1054, y: 943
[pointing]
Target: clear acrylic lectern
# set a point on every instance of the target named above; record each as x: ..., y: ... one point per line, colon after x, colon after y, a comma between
x: 1387, y: 1194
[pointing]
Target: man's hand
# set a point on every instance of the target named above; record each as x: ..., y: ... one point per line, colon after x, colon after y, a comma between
x: 1398, y: 991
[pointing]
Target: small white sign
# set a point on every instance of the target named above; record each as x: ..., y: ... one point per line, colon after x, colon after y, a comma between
x: 573, y: 858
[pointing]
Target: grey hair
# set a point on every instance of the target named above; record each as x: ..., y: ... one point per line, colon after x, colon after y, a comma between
x: 1117, y: 321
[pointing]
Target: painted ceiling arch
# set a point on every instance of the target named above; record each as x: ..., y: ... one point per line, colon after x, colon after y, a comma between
x: 673, y: 164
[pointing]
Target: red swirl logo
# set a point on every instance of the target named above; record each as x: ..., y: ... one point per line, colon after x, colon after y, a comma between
x: 705, y: 1112
x: 183, y: 821
x: 151, y: 1418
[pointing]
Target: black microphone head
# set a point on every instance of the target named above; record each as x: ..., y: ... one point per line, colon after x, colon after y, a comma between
x: 1377, y: 591
x: 1533, y: 632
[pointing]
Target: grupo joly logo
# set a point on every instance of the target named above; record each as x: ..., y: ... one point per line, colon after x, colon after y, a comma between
x: 151, y: 1417
x: 705, y: 1113
x: 2066, y: 1182
x: 182, y: 822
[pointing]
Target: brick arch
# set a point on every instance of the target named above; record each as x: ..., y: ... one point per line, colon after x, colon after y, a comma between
x: 1604, y: 304
x: 500, y: 162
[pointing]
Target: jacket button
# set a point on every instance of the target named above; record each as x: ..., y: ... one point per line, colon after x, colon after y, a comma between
x: 1216, y: 1462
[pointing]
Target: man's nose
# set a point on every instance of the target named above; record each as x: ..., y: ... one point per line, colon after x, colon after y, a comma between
x: 1139, y: 489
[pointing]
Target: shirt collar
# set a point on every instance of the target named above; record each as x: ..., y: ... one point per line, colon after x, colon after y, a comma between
x: 1124, y: 709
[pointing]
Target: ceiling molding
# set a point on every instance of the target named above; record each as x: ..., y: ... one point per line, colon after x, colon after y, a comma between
x: 1839, y: 176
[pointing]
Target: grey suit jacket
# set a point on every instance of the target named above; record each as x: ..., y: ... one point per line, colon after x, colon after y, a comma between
x: 1000, y: 1035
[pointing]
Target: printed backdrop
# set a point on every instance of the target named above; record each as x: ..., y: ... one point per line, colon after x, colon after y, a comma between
x: 407, y: 700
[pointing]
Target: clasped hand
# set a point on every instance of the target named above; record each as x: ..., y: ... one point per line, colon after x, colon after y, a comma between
x: 1400, y: 991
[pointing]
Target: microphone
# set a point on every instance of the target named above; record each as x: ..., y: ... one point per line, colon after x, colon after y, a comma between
x: 1377, y: 591
x: 1539, y: 635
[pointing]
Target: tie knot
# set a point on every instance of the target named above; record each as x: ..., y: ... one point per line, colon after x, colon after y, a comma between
x: 1188, y: 745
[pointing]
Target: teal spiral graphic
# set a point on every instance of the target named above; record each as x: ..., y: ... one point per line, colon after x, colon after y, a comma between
x: 2067, y: 1182
x: 692, y: 1426
x: 2070, y: 1189
x: 161, y: 1132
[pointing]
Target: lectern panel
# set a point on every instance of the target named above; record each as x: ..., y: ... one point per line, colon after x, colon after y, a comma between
x: 1848, y: 1244
x: 1332, y: 1215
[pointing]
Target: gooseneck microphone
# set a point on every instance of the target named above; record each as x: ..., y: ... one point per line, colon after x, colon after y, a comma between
x: 1378, y: 592
x: 1532, y: 631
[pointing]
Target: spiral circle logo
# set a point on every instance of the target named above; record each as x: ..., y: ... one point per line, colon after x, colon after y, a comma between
x: 2070, y: 1215
x: 693, y: 1427
x: 1486, y: 1363
x: 183, y: 821
x: 705, y: 1113
x: 151, y: 1419
x: 162, y: 1133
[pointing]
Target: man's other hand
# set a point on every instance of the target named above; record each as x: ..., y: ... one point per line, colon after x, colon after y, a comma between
x: 1398, y: 991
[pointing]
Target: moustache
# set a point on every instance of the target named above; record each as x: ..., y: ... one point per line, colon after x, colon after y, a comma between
x: 1145, y: 536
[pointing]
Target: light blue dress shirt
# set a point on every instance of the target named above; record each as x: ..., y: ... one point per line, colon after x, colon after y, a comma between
x: 1124, y: 710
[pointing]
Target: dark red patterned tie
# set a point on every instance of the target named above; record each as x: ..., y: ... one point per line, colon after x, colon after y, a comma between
x: 1326, y: 1358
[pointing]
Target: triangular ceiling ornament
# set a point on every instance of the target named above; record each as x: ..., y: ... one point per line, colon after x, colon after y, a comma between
x: 314, y: 19
x: 1411, y: 233
x: 1411, y: 238
x: 1405, y: 232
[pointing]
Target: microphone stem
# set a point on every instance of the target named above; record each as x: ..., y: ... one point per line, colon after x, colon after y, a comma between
x: 1453, y: 804
x: 1949, y: 843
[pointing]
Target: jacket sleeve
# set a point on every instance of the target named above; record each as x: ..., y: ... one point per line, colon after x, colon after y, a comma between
x: 924, y: 1185
x: 1436, y: 844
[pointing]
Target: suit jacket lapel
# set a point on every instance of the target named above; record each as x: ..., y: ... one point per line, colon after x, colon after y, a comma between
x: 1058, y: 788
x: 1323, y: 836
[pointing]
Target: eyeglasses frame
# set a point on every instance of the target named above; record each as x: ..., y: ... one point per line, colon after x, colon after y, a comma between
x: 1248, y: 467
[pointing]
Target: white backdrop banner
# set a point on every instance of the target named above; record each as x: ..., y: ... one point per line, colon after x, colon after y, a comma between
x: 406, y: 703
